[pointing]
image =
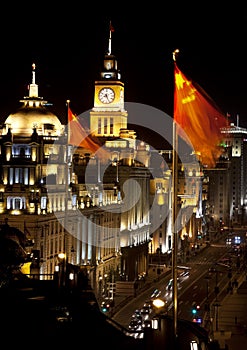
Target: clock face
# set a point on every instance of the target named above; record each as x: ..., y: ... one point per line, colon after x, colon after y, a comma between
x: 106, y: 95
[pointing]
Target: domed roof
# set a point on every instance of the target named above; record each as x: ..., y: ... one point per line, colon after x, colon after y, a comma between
x: 26, y: 118
x: 33, y: 114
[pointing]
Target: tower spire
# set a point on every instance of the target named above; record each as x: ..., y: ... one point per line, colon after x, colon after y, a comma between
x: 33, y: 73
x: 111, y: 30
x: 33, y: 87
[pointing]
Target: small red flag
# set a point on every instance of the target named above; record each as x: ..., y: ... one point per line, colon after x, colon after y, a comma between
x: 79, y: 137
x: 198, y: 118
x: 111, y: 28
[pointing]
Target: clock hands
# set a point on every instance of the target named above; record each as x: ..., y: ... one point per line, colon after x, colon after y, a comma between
x: 106, y: 95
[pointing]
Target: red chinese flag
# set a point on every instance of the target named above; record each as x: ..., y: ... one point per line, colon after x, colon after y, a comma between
x: 199, y: 119
x: 78, y: 136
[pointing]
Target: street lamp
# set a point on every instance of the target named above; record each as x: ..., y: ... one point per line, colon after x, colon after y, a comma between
x: 159, y: 308
x: 216, y: 304
x: 159, y: 305
x: 56, y: 273
x: 62, y: 258
x: 193, y: 345
x: 61, y: 255
x: 100, y: 285
x: 71, y: 276
x: 57, y: 265
x: 105, y: 284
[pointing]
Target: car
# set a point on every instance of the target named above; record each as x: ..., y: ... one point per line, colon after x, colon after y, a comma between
x: 137, y: 312
x: 134, y: 325
x: 156, y: 293
x: 225, y: 262
x: 170, y: 284
x: 212, y: 269
x: 145, y: 311
x: 107, y: 304
x: 184, y: 273
x: 148, y: 303
x: 137, y: 317
x: 62, y: 314
x: 147, y: 323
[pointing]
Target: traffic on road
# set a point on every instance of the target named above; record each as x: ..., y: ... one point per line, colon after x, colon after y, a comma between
x: 202, y: 282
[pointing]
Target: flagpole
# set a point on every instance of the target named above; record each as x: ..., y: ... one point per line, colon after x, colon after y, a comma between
x: 67, y: 166
x: 174, y: 224
x: 66, y: 199
x: 109, y: 43
x: 195, y: 117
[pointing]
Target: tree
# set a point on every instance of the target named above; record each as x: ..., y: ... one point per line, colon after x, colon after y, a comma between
x: 12, y: 253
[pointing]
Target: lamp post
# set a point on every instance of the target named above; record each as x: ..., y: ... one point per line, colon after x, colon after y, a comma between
x: 160, y: 306
x: 62, y: 273
x: 56, y: 274
x: 105, y: 284
x: 216, y: 304
x: 207, y: 307
x: 193, y: 345
x: 100, y: 286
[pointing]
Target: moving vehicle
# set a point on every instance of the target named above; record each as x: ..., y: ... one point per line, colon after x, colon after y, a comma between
x: 156, y: 293
x: 169, y: 285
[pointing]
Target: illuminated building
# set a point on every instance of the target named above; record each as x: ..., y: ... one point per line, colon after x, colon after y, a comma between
x: 68, y: 200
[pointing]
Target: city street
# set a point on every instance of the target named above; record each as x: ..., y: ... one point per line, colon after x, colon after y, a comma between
x: 223, y: 309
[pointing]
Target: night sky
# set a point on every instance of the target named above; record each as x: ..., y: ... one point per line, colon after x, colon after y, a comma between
x: 68, y: 43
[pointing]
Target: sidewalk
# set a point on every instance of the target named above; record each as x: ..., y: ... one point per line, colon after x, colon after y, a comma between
x: 232, y: 319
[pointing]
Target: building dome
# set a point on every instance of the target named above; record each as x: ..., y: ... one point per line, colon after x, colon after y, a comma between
x: 33, y: 114
x: 28, y: 118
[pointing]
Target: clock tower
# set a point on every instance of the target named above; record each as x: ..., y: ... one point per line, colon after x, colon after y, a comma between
x: 108, y: 115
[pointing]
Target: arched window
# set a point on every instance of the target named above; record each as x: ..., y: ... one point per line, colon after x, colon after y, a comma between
x: 16, y: 203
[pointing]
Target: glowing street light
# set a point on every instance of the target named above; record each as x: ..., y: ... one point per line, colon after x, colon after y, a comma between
x: 62, y: 257
x: 159, y: 305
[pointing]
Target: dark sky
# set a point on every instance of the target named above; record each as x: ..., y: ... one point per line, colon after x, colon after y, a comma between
x: 68, y: 42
